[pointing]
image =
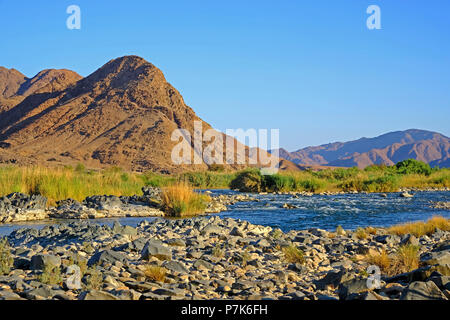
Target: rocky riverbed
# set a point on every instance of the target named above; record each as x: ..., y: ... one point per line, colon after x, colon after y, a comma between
x: 18, y: 207
x: 213, y: 258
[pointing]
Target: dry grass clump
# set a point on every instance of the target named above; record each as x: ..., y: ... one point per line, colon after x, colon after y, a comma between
x: 380, y: 259
x: 421, y: 228
x: 361, y: 234
x: 371, y: 230
x: 218, y: 252
x: 405, y: 259
x: 293, y: 254
x: 180, y: 200
x: 155, y: 273
x: 340, y: 231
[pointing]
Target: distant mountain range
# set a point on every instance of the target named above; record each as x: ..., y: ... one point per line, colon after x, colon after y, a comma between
x: 389, y: 148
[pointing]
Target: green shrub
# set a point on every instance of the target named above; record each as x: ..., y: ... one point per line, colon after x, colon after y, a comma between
x: 352, y: 185
x: 277, y: 182
x: 410, y: 166
x: 381, y: 184
x: 248, y: 181
x: 310, y: 185
x: 51, y: 275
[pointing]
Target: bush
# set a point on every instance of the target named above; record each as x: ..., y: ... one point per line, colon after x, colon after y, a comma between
x: 310, y: 185
x: 352, y: 185
x: 278, y: 182
x: 51, y: 275
x: 410, y: 166
x: 207, y: 179
x: 248, y: 181
x: 381, y: 184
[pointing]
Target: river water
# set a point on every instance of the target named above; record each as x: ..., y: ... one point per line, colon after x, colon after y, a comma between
x: 325, y: 212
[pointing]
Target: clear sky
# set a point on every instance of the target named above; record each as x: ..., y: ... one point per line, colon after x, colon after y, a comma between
x: 310, y: 68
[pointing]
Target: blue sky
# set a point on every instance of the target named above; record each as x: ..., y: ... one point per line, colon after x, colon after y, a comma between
x: 310, y: 68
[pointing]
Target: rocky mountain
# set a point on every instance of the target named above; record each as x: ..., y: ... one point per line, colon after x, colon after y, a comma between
x: 123, y: 114
x: 389, y: 148
x: 15, y: 87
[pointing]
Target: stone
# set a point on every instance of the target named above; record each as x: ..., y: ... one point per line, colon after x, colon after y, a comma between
x: 96, y: 295
x: 436, y: 258
x: 175, y: 266
x: 156, y: 248
x: 406, y: 195
x: 107, y: 256
x: 333, y: 279
x: 211, y: 229
x: 40, y: 261
x: 409, y: 239
x: 348, y: 289
x: 387, y: 239
x: 423, y: 291
x: 203, y: 264
x: 9, y: 295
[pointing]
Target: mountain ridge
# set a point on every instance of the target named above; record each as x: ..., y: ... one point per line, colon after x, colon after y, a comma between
x: 389, y: 148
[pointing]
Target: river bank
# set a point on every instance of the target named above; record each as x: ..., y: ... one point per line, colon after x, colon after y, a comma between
x: 214, y: 258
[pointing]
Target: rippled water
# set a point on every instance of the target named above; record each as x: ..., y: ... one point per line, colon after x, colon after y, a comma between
x: 326, y: 212
x: 349, y: 210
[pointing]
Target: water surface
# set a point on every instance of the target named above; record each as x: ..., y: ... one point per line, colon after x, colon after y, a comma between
x: 325, y: 212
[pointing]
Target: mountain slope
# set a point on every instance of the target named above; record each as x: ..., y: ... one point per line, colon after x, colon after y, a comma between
x: 123, y: 114
x: 389, y: 148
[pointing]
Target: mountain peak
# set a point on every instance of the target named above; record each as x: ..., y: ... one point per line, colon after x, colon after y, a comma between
x: 123, y: 114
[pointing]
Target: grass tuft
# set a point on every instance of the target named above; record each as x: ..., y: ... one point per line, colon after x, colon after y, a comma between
x: 155, y: 273
x: 180, y: 200
x: 421, y: 228
x: 293, y: 254
x: 405, y: 259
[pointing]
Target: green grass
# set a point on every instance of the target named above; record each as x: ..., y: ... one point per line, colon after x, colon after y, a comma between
x: 79, y: 182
